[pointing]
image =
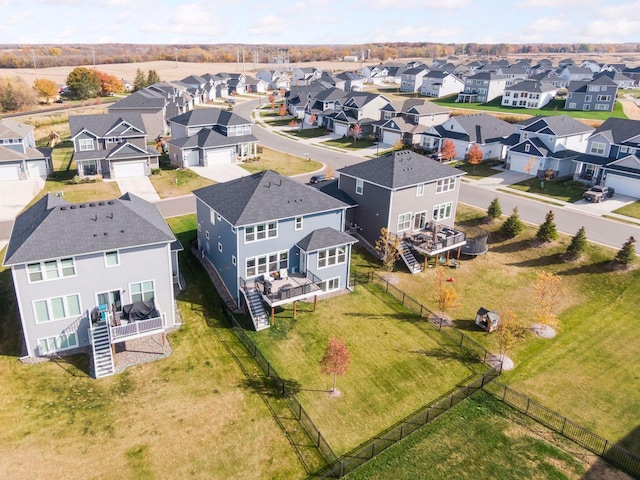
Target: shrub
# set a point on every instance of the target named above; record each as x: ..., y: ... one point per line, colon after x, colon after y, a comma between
x: 156, y: 171
x: 512, y: 226
x: 547, y: 231
x: 495, y: 210
x: 627, y: 254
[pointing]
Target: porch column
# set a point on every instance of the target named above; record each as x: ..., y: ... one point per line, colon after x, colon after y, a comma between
x: 113, y: 352
x: 459, y: 250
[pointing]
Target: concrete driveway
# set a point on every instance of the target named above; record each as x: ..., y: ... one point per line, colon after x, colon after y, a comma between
x: 609, y: 205
x: 502, y: 178
x: 14, y: 196
x: 139, y: 186
x: 221, y: 173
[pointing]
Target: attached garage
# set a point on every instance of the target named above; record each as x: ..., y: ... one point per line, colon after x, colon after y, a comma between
x: 341, y: 129
x: 524, y: 164
x: 390, y: 138
x: 9, y: 172
x: 129, y: 169
x: 191, y: 158
x: 219, y: 156
x: 37, y: 168
x: 622, y: 185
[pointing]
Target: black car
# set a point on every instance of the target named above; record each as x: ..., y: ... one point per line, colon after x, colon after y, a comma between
x: 321, y: 177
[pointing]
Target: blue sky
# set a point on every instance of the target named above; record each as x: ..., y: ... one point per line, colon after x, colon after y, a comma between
x: 319, y: 21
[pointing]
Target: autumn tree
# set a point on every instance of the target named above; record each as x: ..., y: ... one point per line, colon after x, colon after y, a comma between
x: 84, y: 83
x: 294, y: 123
x: 152, y: 77
x: 355, y: 132
x: 45, y: 88
x: 140, y: 81
x: 399, y: 145
x: 512, y: 226
x: 578, y: 245
x: 16, y: 94
x: 445, y: 295
x: 387, y: 247
x: 336, y: 360
x: 474, y: 156
x: 110, y: 84
x: 448, y: 150
x: 508, y: 332
x: 548, y: 293
x: 272, y: 100
x: 529, y: 166
x: 495, y: 210
x: 627, y: 254
x: 547, y: 231
x: 282, y: 110
x: 313, y: 119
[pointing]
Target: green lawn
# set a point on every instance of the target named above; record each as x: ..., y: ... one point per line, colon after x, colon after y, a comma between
x: 309, y: 132
x: 348, y: 143
x: 589, y: 372
x: 280, y: 122
x: 283, y: 163
x: 476, y: 172
x: 568, y: 191
x: 631, y: 210
x: 480, y: 438
x: 190, y: 415
x: 173, y: 182
x: 398, y: 364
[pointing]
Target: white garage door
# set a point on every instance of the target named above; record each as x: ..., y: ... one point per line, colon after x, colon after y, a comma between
x: 9, y: 172
x: 524, y: 164
x: 37, y: 169
x: 623, y: 185
x: 340, y: 129
x: 390, y: 138
x: 129, y: 169
x: 219, y: 157
x: 191, y: 158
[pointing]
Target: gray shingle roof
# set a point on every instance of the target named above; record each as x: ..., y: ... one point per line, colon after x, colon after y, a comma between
x: 9, y: 154
x: 144, y: 99
x: 265, y: 196
x: 207, y: 138
x: 479, y: 127
x: 54, y: 228
x: 559, y: 125
x: 209, y: 116
x: 10, y: 129
x: 107, y: 125
x: 531, y: 86
x: 400, y: 169
x: 324, y: 238
x: 620, y: 130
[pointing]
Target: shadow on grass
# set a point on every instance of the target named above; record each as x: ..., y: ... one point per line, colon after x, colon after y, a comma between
x: 466, y: 325
x: 74, y: 365
x: 591, y: 268
x: 270, y: 387
x: 458, y: 354
x: 404, y: 317
x: 553, y: 259
x: 510, y: 246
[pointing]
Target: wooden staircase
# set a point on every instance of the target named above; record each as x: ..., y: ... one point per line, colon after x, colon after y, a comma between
x: 259, y: 315
x: 409, y: 259
x: 102, y: 356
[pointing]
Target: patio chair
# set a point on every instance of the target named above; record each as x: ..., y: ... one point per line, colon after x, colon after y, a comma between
x: 284, y: 273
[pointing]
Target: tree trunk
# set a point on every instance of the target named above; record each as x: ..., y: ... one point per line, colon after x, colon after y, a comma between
x: 335, y: 378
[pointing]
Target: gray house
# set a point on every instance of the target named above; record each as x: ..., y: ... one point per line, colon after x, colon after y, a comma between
x: 273, y: 241
x: 598, y: 94
x: 19, y: 157
x: 151, y: 105
x: 92, y: 275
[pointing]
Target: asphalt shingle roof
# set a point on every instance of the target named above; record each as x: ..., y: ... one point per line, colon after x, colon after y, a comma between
x: 10, y: 129
x: 620, y: 130
x: 324, y: 238
x: 107, y: 125
x: 209, y: 116
x: 559, y: 125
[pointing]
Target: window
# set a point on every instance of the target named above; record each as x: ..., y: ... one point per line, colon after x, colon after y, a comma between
x: 298, y: 223
x: 51, y: 269
x: 110, y: 298
x: 64, y: 341
x: 206, y: 234
x: 332, y: 256
x: 404, y: 221
x: 527, y: 147
x: 219, y: 247
x: 359, y: 186
x: 593, y: 88
x: 420, y: 221
x: 56, y: 308
x: 442, y: 211
x: 601, y: 106
x: 603, y: 98
x: 572, y: 105
x: 331, y: 284
x: 261, y: 231
x: 142, y: 291
x: 586, y: 106
x: 597, y: 148
x: 587, y: 98
x: 85, y: 144
x: 420, y: 190
x: 272, y: 262
x: 233, y: 260
x: 111, y: 259
x: 445, y: 185
x: 212, y: 216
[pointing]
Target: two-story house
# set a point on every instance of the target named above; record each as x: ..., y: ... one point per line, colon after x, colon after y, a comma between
x: 111, y: 145
x: 277, y: 79
x: 598, y: 94
x: 482, y: 87
x: 411, y: 80
x: 612, y: 157
x: 411, y: 196
x: 273, y: 241
x: 210, y: 136
x: 356, y: 108
x: 440, y: 84
x: 548, y: 145
x: 571, y: 73
x: 528, y: 94
x: 19, y: 157
x: 151, y: 105
x: 405, y: 122
x: 92, y: 275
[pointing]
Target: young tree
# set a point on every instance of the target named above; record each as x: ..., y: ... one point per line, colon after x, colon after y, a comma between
x: 140, y: 81
x: 355, y: 132
x: 512, y: 226
x: 627, y: 254
x: 110, y: 84
x: 578, y: 245
x: 445, y: 295
x: 313, y: 120
x: 529, y: 166
x: 294, y: 123
x: 282, y: 110
x: 387, y: 247
x: 336, y: 360
x: 153, y: 77
x: 548, y: 293
x: 45, y: 88
x: 509, y: 331
x: 399, y: 145
x: 84, y: 83
x: 495, y: 210
x: 448, y: 150
x: 474, y: 156
x: 272, y: 100
x: 547, y: 231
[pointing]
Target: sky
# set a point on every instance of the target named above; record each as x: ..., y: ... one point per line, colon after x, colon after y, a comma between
x: 318, y: 21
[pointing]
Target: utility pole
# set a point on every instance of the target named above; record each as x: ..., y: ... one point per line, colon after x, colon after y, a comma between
x: 243, y: 59
x: 237, y: 60
x: 175, y: 52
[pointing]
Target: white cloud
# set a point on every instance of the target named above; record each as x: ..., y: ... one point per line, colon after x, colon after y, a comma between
x: 269, y: 25
x: 546, y: 29
x: 601, y: 31
x: 564, y: 5
x: 423, y: 4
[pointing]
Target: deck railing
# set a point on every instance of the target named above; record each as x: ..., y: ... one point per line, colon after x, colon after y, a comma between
x: 135, y: 329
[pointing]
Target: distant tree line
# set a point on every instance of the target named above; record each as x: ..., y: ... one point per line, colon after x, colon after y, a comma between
x: 41, y: 56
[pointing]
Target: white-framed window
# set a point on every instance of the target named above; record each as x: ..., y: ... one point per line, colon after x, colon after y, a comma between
x: 445, y: 185
x: 420, y: 221
x: 404, y: 221
x: 114, y: 297
x: 261, y: 231
x: 57, y: 308
x: 359, y: 186
x: 332, y: 256
x: 597, y: 148
x: 199, y: 227
x: 420, y: 190
x: 331, y: 285
x: 298, y: 223
x: 572, y: 105
x: 85, y: 144
x: 206, y: 234
x: 51, y: 270
x: 142, y: 291
x: 603, y: 98
x: 219, y: 247
x: 527, y: 147
x: 587, y: 98
x: 64, y: 341
x: 442, y: 211
x: 234, y: 261
x: 586, y: 106
x: 601, y: 106
x: 624, y: 149
x: 111, y: 259
x: 272, y: 262
x: 212, y: 216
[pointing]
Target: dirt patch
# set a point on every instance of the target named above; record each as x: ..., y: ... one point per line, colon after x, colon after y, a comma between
x: 496, y: 360
x: 543, y: 331
x: 390, y: 278
x: 335, y: 393
x: 441, y: 320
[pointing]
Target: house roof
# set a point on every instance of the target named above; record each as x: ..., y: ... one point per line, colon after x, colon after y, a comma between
x: 54, y: 228
x: 109, y: 125
x: 479, y: 128
x: 11, y: 155
x: 144, y: 99
x: 620, y: 131
x: 422, y: 107
x: 532, y: 86
x: 400, y: 169
x: 592, y: 159
x: 265, y: 196
x: 209, y: 138
x: 558, y: 125
x: 324, y: 238
x: 10, y: 129
x: 199, y: 117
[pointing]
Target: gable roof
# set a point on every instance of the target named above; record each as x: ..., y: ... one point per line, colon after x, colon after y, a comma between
x: 10, y: 129
x: 558, y: 125
x: 265, y: 196
x: 106, y: 125
x: 479, y: 128
x: 324, y: 238
x: 144, y: 99
x: 54, y: 228
x: 620, y: 130
x: 400, y: 169
x: 532, y: 86
x: 209, y: 116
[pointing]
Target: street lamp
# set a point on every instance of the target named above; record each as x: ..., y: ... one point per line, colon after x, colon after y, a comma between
x: 377, y: 149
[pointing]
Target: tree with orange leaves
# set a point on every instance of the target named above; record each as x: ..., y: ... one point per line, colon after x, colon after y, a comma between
x: 448, y: 150
x: 336, y: 360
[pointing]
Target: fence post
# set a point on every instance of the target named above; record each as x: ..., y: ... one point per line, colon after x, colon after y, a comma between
x: 528, y: 403
x: 403, y: 297
x: 387, y: 286
x: 283, y: 392
x: 373, y: 450
x: 421, y: 310
x: 604, y: 449
x: 401, y: 427
x: 564, y: 422
x: 318, y: 445
x: 255, y: 351
x: 268, y: 370
x: 504, y: 393
x: 300, y: 412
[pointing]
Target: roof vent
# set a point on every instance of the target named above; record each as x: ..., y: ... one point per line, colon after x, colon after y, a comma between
x: 73, y: 207
x: 82, y: 205
x: 63, y: 208
x: 101, y: 203
x: 110, y: 202
x: 106, y: 233
x: 121, y: 231
x: 92, y: 204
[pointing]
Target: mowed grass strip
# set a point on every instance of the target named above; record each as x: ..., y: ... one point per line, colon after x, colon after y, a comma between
x: 283, y: 163
x: 398, y: 364
x: 174, y: 182
x: 187, y: 416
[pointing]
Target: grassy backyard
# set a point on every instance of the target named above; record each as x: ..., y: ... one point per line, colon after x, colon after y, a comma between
x: 283, y: 163
x: 175, y: 182
x: 348, y: 143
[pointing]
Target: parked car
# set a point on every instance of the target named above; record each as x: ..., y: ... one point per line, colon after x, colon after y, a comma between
x: 232, y: 101
x: 598, y: 193
x: 321, y: 177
